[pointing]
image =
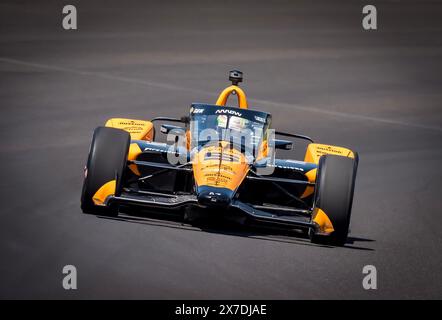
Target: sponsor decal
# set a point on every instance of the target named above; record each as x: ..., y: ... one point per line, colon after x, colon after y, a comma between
x: 260, y: 119
x: 232, y: 112
x: 285, y: 167
x: 196, y: 110
x: 131, y: 123
x: 327, y: 149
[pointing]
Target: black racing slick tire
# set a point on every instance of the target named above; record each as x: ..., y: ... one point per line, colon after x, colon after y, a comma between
x: 335, y: 183
x: 106, y: 162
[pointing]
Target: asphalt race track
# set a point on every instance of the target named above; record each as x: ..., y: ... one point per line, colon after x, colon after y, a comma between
x: 309, y: 63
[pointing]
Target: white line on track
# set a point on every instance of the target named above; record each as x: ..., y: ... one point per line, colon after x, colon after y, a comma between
x: 156, y: 84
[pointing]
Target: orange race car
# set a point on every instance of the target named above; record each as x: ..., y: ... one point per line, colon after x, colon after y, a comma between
x: 221, y: 162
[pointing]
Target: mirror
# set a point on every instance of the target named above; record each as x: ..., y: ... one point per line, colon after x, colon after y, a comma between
x: 167, y: 128
x: 283, y: 144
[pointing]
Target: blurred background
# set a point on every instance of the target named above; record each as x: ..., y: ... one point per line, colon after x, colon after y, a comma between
x: 309, y: 63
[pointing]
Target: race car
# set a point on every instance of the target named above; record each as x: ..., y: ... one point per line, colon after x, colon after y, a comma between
x: 220, y: 162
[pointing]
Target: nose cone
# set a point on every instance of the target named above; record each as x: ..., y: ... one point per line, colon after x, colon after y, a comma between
x: 214, y: 197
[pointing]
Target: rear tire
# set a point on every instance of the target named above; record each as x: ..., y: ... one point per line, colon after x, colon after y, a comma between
x: 335, y: 184
x: 106, y: 161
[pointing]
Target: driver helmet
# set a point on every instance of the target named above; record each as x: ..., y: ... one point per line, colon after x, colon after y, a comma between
x: 237, y: 123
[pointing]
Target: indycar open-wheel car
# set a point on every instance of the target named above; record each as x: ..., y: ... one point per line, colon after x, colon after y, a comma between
x: 221, y: 161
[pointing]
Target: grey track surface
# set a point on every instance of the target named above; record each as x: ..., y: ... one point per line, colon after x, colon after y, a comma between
x: 308, y: 62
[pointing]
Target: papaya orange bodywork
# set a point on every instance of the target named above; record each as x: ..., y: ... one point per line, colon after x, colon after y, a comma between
x: 323, y: 221
x: 106, y: 190
x: 311, y: 176
x: 316, y: 150
x: 242, y: 99
x: 220, y: 166
x: 138, y: 129
x: 134, y: 151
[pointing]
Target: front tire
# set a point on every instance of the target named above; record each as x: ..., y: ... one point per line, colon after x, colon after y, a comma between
x: 335, y: 184
x: 106, y: 162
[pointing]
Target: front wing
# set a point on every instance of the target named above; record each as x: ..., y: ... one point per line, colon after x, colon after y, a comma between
x: 289, y: 218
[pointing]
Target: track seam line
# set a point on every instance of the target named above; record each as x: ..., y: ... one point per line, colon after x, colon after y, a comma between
x: 257, y: 101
